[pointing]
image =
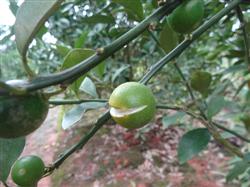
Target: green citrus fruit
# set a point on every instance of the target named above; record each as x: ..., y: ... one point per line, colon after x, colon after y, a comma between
x: 22, y: 114
x: 187, y: 16
x: 200, y: 81
x: 132, y: 105
x: 28, y: 170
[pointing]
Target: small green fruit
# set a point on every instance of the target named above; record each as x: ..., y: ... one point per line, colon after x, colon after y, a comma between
x: 187, y: 16
x: 28, y: 170
x: 200, y: 81
x: 22, y: 114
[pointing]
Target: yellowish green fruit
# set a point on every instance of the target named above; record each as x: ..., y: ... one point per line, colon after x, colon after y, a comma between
x: 132, y: 105
x: 187, y: 16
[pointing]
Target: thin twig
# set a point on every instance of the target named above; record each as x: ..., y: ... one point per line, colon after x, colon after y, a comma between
x: 100, y: 122
x: 177, y: 51
x: 240, y: 88
x: 79, y: 101
x: 245, y: 34
x: 231, y: 132
x: 192, y: 114
x: 228, y: 146
x: 71, y: 74
x: 188, y: 41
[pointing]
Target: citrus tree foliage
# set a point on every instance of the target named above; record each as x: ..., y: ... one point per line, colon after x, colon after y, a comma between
x: 62, y: 36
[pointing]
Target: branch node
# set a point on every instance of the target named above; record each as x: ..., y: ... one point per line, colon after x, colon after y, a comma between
x: 161, y: 2
x: 100, y: 51
x: 152, y: 26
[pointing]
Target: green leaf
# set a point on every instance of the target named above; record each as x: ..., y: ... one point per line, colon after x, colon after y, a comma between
x: 99, y: 70
x: 13, y: 7
x: 168, y: 38
x: 171, y: 120
x: 74, y: 57
x: 98, y: 18
x: 239, y: 168
x: 63, y: 50
x: 192, y: 143
x: 74, y: 115
x: 154, y: 3
x: 132, y: 7
x: 89, y: 87
x: 31, y: 15
x: 215, y: 105
x: 235, y: 68
x: 81, y: 40
x: 43, y: 30
x: 10, y: 150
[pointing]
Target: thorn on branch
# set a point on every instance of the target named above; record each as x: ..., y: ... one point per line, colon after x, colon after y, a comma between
x: 100, y: 51
x: 152, y: 27
x: 161, y: 2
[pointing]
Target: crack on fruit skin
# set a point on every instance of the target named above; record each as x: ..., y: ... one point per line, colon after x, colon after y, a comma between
x: 133, y: 95
x: 119, y: 112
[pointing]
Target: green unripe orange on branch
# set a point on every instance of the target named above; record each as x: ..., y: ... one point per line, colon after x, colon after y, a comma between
x: 132, y: 105
x: 200, y: 81
x: 187, y: 16
x: 27, y: 171
x: 20, y: 115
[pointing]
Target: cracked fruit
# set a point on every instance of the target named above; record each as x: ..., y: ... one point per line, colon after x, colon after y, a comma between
x: 132, y: 105
x: 28, y: 170
x: 187, y: 16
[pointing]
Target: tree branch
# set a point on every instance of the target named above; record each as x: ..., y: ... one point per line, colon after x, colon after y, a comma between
x: 100, y: 122
x: 245, y: 34
x: 78, y: 70
x: 228, y: 146
x: 188, y: 41
x: 72, y: 102
x: 89, y: 63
